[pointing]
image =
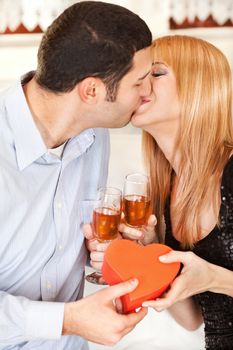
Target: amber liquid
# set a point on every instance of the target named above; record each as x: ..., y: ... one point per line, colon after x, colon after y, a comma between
x: 106, y: 222
x: 136, y: 210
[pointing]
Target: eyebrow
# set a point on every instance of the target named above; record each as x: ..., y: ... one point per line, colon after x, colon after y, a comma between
x: 158, y: 62
x: 144, y: 76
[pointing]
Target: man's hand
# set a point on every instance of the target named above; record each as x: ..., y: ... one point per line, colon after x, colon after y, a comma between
x: 95, y: 317
x: 96, y: 249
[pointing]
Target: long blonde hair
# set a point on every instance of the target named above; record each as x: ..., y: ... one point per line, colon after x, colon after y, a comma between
x: 205, y: 137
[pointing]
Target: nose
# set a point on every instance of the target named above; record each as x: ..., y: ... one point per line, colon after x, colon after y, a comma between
x: 146, y: 87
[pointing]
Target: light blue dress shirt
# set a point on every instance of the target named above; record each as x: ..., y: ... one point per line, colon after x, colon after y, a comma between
x: 44, y: 201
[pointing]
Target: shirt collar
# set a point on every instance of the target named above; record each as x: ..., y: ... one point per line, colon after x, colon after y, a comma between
x: 83, y: 141
x: 29, y: 144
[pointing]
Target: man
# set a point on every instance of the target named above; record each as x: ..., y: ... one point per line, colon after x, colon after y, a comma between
x: 93, y: 72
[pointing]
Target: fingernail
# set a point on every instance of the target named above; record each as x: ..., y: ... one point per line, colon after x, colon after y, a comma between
x: 145, y: 305
x: 153, y: 219
x: 134, y: 281
x: 163, y: 258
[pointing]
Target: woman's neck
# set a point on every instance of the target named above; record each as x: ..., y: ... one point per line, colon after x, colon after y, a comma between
x: 166, y: 138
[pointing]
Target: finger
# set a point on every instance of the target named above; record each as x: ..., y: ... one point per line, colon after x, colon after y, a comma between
x: 133, y: 235
x: 176, y: 256
x: 158, y: 305
x: 101, y: 247
x: 155, y: 304
x: 152, y: 221
x: 92, y: 245
x: 149, y: 231
x: 149, y: 303
x: 118, y: 305
x: 120, y: 289
x: 96, y: 265
x: 130, y: 232
x: 88, y: 232
x: 119, y: 236
x: 97, y: 256
x: 129, y: 329
x: 174, y: 295
x: 135, y: 317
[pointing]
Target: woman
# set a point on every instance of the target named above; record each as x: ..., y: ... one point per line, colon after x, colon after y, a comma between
x: 188, y: 147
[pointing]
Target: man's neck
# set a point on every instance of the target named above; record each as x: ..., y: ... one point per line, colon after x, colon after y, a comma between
x: 53, y: 114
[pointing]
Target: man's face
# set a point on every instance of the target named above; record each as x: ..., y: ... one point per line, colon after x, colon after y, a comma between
x: 133, y: 88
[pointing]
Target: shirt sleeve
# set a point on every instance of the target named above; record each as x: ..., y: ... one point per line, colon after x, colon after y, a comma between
x: 23, y: 320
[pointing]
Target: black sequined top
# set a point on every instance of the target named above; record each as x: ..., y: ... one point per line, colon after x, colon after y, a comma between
x: 217, y: 248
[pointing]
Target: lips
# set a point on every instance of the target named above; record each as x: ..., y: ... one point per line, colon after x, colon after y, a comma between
x: 145, y: 101
x: 141, y: 107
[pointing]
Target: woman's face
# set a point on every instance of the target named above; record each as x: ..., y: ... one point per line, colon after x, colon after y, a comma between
x: 162, y: 107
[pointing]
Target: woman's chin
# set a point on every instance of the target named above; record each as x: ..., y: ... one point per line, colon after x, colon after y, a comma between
x: 136, y: 121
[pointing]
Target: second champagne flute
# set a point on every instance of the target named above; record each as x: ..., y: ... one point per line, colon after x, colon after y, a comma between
x: 136, y: 200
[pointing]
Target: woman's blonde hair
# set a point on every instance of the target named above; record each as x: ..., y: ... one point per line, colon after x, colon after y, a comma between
x: 205, y: 136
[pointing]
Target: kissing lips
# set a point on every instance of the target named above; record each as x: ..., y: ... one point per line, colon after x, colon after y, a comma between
x: 143, y: 102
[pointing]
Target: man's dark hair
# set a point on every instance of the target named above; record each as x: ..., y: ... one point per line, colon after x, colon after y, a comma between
x: 90, y: 38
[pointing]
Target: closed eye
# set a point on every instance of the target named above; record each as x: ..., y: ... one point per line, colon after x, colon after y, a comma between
x: 156, y: 75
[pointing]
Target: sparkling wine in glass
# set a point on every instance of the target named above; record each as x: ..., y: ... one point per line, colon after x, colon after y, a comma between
x: 106, y: 219
x: 136, y: 200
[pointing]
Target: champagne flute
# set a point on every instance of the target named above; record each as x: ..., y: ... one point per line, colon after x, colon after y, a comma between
x: 136, y: 200
x: 106, y: 219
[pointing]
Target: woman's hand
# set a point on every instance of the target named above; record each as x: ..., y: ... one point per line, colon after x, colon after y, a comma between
x: 197, y: 276
x: 145, y: 236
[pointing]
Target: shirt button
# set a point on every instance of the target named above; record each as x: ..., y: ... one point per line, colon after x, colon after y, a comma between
x: 60, y: 247
x: 49, y: 285
x: 59, y: 205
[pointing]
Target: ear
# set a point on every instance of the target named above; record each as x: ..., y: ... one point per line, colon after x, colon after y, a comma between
x: 90, y: 90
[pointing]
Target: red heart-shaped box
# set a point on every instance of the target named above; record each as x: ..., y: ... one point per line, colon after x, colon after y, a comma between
x: 126, y: 259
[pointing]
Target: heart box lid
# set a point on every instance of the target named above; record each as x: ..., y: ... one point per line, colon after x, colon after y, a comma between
x: 125, y: 259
